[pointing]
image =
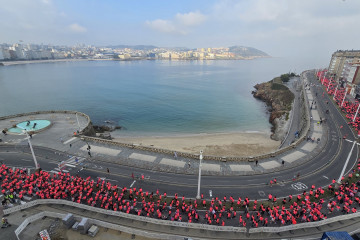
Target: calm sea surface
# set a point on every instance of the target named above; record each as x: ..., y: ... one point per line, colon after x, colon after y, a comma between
x: 147, y: 97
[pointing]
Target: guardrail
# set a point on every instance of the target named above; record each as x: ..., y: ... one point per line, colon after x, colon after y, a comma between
x: 304, y: 225
x: 225, y: 229
x: 123, y: 215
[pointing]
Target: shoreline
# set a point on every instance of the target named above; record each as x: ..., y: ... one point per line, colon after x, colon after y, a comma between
x: 11, y: 63
x: 213, y: 144
x: 21, y: 62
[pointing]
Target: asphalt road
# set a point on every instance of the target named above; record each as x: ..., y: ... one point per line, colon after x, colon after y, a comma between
x: 320, y: 171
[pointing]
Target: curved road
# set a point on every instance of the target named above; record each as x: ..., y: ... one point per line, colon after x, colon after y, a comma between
x: 324, y: 167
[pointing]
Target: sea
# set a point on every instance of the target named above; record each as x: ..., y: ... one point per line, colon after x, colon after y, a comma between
x: 149, y: 97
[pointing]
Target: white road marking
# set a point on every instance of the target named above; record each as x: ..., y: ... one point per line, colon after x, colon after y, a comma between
x: 133, y: 183
x: 27, y: 160
x: 70, y: 140
x: 299, y: 186
x: 261, y: 193
x: 70, y: 165
x: 326, y: 177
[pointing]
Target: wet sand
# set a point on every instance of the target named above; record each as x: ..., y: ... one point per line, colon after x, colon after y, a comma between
x: 221, y: 144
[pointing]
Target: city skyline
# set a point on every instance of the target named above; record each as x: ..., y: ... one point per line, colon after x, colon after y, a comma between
x: 280, y: 28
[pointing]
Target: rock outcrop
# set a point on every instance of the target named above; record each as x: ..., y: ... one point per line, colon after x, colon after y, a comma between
x: 279, y: 99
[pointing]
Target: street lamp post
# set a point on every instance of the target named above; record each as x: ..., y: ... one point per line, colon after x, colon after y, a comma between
x: 198, y: 190
x: 32, y: 150
x: 344, y: 96
x: 322, y: 81
x: 328, y: 88
x: 335, y: 92
x: 347, y: 160
x: 357, y: 110
x: 77, y: 119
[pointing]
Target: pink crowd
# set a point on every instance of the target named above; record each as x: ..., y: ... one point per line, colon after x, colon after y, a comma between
x: 306, y: 207
x: 334, y: 89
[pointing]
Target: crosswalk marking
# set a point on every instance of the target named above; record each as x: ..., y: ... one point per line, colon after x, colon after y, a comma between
x: 70, y: 165
x: 72, y: 162
x: 70, y: 140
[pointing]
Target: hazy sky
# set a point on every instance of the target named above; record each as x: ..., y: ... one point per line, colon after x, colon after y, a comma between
x: 278, y: 27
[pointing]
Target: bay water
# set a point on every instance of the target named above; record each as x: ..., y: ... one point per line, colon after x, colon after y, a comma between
x: 147, y: 97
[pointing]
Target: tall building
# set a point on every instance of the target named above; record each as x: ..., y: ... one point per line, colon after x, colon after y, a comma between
x: 339, y: 59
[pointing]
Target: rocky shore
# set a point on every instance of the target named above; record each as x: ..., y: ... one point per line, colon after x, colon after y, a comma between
x: 279, y: 99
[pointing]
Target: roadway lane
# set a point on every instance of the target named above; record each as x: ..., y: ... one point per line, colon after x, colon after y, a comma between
x: 324, y: 167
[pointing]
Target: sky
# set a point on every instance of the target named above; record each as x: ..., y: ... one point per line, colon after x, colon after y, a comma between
x: 278, y: 27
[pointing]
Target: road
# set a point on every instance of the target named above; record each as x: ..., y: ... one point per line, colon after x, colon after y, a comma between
x: 320, y: 171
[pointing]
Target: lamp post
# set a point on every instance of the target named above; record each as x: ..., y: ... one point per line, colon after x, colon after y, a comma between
x: 322, y: 81
x: 328, y: 88
x: 348, y: 158
x: 32, y: 150
x: 335, y: 92
x: 357, y: 110
x: 344, y: 96
x: 77, y: 119
x: 199, y: 179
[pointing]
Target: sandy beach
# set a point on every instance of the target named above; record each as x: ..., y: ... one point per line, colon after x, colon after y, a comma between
x: 221, y: 144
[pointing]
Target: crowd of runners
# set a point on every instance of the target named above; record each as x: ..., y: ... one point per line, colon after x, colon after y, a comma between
x: 338, y: 90
x: 313, y: 205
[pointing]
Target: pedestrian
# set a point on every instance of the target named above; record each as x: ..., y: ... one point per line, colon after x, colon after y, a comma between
x: 4, y: 132
x: 175, y: 155
x: 189, y: 165
x: 89, y: 153
x: 70, y: 145
x: 107, y: 169
x: 30, y: 135
x: 256, y: 162
x: 132, y: 176
x: 283, y: 162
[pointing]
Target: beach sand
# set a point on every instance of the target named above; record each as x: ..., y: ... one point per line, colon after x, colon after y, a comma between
x: 221, y: 144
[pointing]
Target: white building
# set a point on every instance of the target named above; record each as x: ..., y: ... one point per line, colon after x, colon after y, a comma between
x: 1, y: 54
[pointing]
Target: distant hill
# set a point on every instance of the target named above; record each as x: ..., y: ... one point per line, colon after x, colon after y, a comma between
x: 247, y: 51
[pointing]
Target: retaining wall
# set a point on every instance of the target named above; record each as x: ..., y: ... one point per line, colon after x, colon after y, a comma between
x: 203, y: 227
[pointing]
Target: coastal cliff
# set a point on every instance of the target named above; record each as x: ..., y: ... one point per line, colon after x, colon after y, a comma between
x: 279, y: 99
